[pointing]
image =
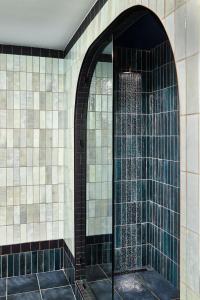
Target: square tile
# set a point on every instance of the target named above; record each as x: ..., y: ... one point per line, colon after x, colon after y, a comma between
x: 180, y: 37
x: 3, y: 287
x: 102, y: 290
x: 22, y: 284
x: 193, y: 24
x: 58, y: 293
x: 52, y: 279
x: 160, y: 287
x: 25, y: 296
x: 129, y: 287
x: 192, y: 144
x: 192, y: 84
x: 192, y: 202
x: 192, y: 261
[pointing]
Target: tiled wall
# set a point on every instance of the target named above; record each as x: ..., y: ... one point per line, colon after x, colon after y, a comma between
x: 31, y: 148
x: 99, y: 249
x: 181, y: 20
x: 164, y: 164
x: 30, y: 258
x: 99, y: 151
x: 36, y: 257
x: 130, y: 156
x: 147, y: 161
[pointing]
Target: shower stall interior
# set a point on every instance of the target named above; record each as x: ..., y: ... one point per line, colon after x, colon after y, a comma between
x: 132, y: 241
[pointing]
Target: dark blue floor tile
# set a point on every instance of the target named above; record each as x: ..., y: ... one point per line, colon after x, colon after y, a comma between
x: 52, y: 279
x: 25, y: 296
x: 64, y: 293
x: 144, y: 295
x: 102, y: 289
x: 129, y: 287
x: 22, y: 284
x: 94, y: 273
x: 3, y: 287
x: 2, y: 298
x: 161, y: 287
x: 145, y: 285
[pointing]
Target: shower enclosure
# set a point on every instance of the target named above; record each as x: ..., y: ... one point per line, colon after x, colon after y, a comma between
x: 131, y: 243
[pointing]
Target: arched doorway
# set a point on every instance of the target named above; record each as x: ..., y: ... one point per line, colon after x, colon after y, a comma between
x: 145, y: 215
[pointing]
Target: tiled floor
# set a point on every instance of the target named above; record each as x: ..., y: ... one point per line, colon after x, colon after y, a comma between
x: 145, y: 285
x: 99, y: 280
x: 41, y: 286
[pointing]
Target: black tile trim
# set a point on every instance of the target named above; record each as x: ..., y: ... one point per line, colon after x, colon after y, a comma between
x: 32, y: 246
x: 98, y: 239
x: 105, y: 57
x: 86, y: 22
x: 43, y: 52
x: 31, y: 51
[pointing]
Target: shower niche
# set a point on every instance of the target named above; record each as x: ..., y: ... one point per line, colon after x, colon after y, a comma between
x: 146, y: 153
x: 131, y: 242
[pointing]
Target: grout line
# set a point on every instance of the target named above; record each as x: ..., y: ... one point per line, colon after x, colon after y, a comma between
x: 69, y: 283
x: 103, y: 270
x: 6, y: 288
x: 23, y: 293
x: 63, y: 270
x: 32, y: 274
x: 56, y: 287
x: 73, y: 292
x: 103, y: 279
x: 39, y: 286
x: 66, y: 275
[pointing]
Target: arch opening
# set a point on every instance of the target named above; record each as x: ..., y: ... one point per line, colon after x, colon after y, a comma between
x: 142, y: 170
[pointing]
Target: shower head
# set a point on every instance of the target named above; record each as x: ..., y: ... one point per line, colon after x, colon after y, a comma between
x: 130, y: 71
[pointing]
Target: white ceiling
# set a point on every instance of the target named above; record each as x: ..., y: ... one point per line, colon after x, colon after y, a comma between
x: 41, y: 23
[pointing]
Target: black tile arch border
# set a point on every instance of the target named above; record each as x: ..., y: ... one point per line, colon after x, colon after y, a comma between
x: 105, y: 58
x: 124, y: 21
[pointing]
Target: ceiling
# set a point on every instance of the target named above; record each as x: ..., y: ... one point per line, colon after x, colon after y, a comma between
x: 41, y: 23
